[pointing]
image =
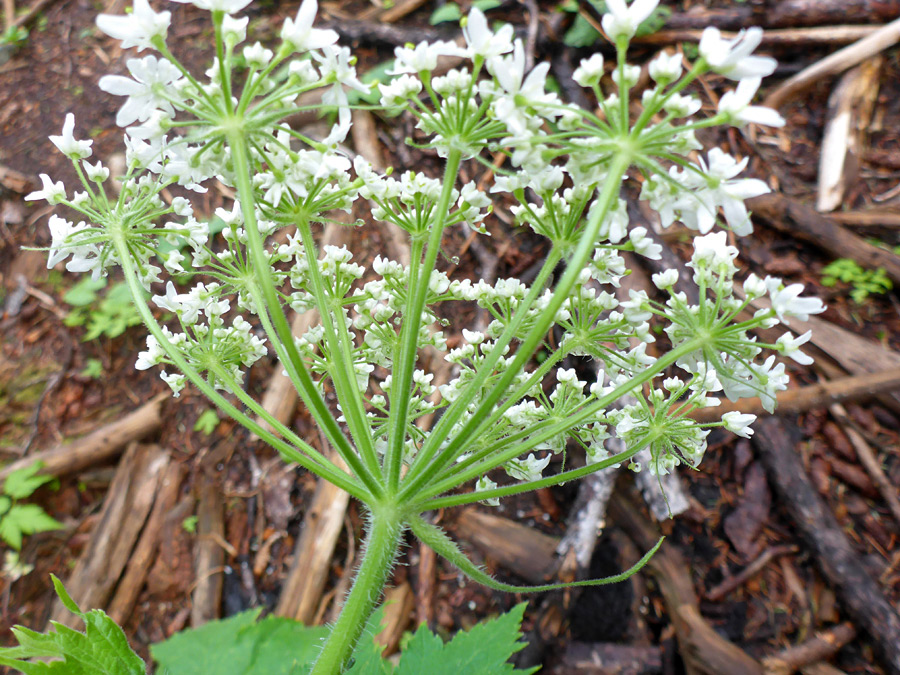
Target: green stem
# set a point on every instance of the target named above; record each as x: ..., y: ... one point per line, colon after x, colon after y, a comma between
x: 284, y: 338
x: 575, y: 264
x: 412, y: 319
x: 382, y: 544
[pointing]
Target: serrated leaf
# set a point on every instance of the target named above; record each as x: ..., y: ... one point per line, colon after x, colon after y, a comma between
x: 101, y: 650
x: 485, y: 648
x: 22, y: 483
x: 240, y: 644
x: 207, y: 422
x: 445, y: 13
x: 22, y: 519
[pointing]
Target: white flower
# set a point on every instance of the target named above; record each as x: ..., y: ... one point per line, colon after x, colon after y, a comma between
x: 227, y: 6
x: 730, y: 194
x: 665, y: 68
x: 682, y: 106
x: 233, y: 29
x: 176, y: 381
x: 151, y: 76
x: 53, y: 193
x: 754, y: 287
x: 790, y: 346
x: 137, y: 29
x: 736, y: 104
x: 68, y: 145
x: 644, y: 245
x: 786, y: 301
x: 623, y: 20
x: 713, y: 252
x: 484, y: 483
x: 739, y: 423
x: 257, y: 56
x: 529, y: 469
x: 590, y: 71
x: 300, y: 34
x: 732, y: 58
x: 424, y: 56
x: 96, y: 172
x: 664, y: 280
x: 482, y: 40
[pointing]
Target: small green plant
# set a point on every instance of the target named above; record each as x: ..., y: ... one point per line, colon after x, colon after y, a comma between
x: 451, y: 12
x: 93, y: 369
x: 110, y: 316
x: 189, y: 524
x: 207, y: 422
x: 863, y: 282
x: 18, y: 520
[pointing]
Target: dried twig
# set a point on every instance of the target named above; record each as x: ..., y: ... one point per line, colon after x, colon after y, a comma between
x: 823, y: 645
x: 882, y: 39
x: 735, y: 581
x: 209, y: 556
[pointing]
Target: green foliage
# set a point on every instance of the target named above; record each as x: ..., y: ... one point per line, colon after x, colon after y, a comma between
x: 863, y: 282
x: 101, y: 650
x: 583, y: 34
x: 18, y: 520
x: 245, y: 645
x: 14, y: 36
x: 109, y: 316
x: 207, y: 422
x: 452, y: 12
x: 189, y: 524
x: 241, y: 644
x: 93, y: 369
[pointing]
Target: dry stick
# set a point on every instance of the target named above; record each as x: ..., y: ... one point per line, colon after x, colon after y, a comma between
x: 789, y: 37
x: 787, y: 13
x: 849, y: 114
x: 812, y: 396
x: 838, y: 62
x: 125, y: 508
x: 603, y: 658
x: 395, y: 13
x: 803, y: 222
x: 96, y: 447
x: 873, y: 218
x: 823, y: 645
x: 869, y: 461
x: 735, y: 581
x: 141, y: 559
x: 209, y: 556
x: 822, y: 534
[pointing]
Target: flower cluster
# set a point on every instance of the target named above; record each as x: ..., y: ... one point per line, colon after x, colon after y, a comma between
x: 500, y: 408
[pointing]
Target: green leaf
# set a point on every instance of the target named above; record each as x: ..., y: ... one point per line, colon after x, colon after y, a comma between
x: 189, y: 524
x: 101, y: 650
x: 367, y: 659
x: 84, y: 292
x: 485, y: 648
x: 487, y: 5
x: 22, y: 483
x: 93, y: 369
x: 207, y: 422
x: 581, y: 33
x: 241, y: 644
x: 445, y: 13
x: 22, y: 519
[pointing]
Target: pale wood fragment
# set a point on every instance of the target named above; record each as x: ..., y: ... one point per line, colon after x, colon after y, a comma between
x: 849, y: 112
x: 141, y: 558
x: 399, y: 602
x: 841, y: 60
x: 97, y: 446
x: 209, y: 556
x: 125, y: 509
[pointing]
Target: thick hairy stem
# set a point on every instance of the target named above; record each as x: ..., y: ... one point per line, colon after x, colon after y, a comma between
x: 382, y: 543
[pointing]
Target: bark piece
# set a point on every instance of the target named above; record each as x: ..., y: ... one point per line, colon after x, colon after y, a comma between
x: 820, y: 531
x: 97, y: 446
x: 144, y: 552
x: 823, y: 645
x: 209, y: 556
x: 516, y: 547
x: 744, y: 524
x: 125, y: 509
